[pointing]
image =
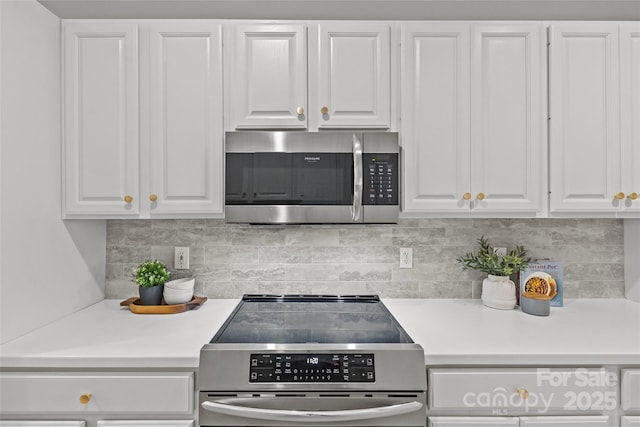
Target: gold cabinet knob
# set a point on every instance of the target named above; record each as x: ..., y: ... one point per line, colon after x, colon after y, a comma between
x: 466, y: 196
x: 523, y: 393
x: 153, y: 197
x: 324, y: 110
x: 300, y: 111
x: 128, y: 199
x: 480, y: 196
x: 85, y: 398
x: 619, y: 196
x: 632, y: 196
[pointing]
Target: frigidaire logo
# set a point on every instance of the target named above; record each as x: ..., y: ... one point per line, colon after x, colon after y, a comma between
x: 312, y: 159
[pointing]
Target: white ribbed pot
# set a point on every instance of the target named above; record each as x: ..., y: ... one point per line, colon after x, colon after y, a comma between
x: 499, y: 292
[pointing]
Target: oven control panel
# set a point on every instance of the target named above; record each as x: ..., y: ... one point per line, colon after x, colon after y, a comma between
x: 317, y: 368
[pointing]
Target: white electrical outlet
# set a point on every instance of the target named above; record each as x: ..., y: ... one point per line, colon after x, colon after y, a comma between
x: 181, y: 258
x: 500, y: 251
x: 406, y: 258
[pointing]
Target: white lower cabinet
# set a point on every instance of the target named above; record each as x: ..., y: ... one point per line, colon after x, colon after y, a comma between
x: 630, y: 390
x: 42, y: 424
x: 524, y: 397
x: 472, y: 421
x: 520, y: 391
x: 586, y: 421
x: 146, y: 423
x: 630, y: 422
x: 152, y: 398
x: 595, y: 421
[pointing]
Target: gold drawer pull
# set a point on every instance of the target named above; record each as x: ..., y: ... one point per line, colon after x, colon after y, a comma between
x: 324, y: 110
x: 523, y: 393
x: 153, y: 197
x: 480, y: 196
x: 128, y: 199
x: 632, y: 196
x: 300, y: 111
x: 466, y: 196
x: 619, y: 196
x: 85, y: 398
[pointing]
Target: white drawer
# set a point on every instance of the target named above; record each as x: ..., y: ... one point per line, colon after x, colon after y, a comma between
x: 630, y: 422
x: 146, y: 423
x: 473, y: 421
x: 42, y: 424
x: 121, y: 393
x: 593, y: 421
x: 526, y: 391
x: 630, y: 390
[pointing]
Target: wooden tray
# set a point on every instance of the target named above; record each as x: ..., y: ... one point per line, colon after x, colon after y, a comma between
x: 134, y: 305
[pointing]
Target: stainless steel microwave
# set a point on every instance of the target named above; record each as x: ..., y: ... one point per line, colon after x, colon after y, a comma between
x: 324, y: 177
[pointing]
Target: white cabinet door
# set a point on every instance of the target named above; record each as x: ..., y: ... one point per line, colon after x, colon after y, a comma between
x: 98, y: 393
x: 584, y: 126
x: 586, y: 421
x: 630, y: 422
x: 472, y: 421
x: 354, y: 75
x: 186, y: 132
x: 482, y: 391
x: 630, y: 113
x: 472, y: 118
x: 507, y: 140
x: 100, y: 119
x: 630, y: 390
x: 42, y: 423
x: 435, y: 117
x: 146, y: 423
x: 269, y: 76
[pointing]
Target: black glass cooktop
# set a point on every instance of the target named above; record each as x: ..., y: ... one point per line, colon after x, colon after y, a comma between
x: 299, y: 319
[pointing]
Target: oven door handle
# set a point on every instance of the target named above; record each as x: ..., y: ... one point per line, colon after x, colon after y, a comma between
x: 357, y: 179
x: 226, y: 407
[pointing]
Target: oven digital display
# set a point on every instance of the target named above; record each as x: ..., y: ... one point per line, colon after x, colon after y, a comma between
x: 285, y: 367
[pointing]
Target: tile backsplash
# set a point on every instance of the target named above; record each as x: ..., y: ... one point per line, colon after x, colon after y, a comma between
x: 229, y: 260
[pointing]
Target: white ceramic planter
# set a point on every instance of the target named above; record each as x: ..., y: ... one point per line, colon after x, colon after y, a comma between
x: 499, y: 292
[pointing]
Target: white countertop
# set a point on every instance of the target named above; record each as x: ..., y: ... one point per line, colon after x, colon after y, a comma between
x: 452, y: 332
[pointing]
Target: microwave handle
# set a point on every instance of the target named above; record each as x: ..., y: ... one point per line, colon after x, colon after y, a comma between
x: 228, y: 408
x: 356, y: 209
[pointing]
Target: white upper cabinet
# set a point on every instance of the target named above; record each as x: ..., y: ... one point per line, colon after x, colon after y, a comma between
x: 270, y: 75
x: 630, y: 114
x: 472, y: 118
x: 594, y: 99
x: 435, y: 117
x: 186, y: 139
x: 100, y: 166
x: 172, y: 164
x: 584, y: 99
x: 354, y: 75
x: 507, y: 117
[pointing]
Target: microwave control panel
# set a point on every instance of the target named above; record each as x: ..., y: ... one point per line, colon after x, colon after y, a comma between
x: 380, y: 178
x: 319, y: 368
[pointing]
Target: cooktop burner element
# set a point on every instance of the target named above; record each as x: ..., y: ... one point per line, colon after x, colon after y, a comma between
x: 324, y: 319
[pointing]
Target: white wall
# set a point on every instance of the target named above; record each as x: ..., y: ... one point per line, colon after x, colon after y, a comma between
x: 48, y: 268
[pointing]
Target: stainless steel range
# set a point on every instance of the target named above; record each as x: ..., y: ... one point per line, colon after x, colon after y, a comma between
x: 298, y: 360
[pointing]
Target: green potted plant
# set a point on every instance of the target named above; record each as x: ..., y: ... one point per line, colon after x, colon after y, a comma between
x: 498, y: 291
x: 151, y: 276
